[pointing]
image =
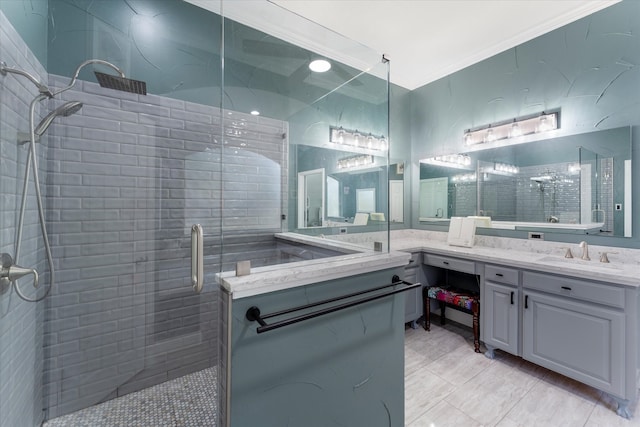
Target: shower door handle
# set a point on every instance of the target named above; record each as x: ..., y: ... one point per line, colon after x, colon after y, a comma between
x: 197, y: 258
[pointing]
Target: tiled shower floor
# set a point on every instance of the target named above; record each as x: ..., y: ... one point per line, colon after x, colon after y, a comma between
x: 187, y: 401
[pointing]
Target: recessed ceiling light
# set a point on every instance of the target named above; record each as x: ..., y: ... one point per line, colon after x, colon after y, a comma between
x: 320, y: 65
x: 255, y: 113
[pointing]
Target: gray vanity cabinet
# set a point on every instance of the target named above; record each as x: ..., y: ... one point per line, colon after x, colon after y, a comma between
x: 413, y: 298
x: 575, y: 339
x: 565, y: 331
x: 500, y: 304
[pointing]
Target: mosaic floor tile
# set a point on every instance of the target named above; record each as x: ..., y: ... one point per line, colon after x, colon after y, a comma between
x: 188, y: 401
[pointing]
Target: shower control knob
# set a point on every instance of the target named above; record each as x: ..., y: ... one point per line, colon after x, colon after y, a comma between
x: 11, y: 272
x: 7, y: 260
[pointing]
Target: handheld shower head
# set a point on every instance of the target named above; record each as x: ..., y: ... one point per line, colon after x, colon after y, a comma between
x: 64, y: 110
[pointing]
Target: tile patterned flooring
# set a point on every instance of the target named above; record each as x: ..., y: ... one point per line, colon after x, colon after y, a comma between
x: 446, y: 384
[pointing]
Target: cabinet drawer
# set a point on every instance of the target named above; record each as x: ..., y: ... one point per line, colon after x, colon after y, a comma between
x: 410, y: 275
x: 450, y: 263
x: 415, y: 261
x: 575, y: 288
x: 501, y: 274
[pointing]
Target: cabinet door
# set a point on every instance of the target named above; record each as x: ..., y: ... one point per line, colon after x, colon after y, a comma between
x: 500, y: 314
x: 579, y: 340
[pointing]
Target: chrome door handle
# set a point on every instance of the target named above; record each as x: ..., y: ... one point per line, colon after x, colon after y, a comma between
x: 197, y: 258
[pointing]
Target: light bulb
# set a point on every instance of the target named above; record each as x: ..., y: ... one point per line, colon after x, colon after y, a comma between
x: 543, y: 125
x: 468, y: 138
x: 490, y: 136
x: 515, y: 130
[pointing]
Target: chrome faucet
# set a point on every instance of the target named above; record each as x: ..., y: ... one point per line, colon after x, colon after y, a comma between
x: 585, y: 251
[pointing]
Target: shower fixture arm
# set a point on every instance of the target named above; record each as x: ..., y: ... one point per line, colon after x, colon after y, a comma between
x: 43, y: 89
x: 85, y: 63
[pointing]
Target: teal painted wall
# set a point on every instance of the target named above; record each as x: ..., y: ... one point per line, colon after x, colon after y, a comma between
x: 30, y: 19
x: 344, y: 368
x: 172, y: 45
x: 587, y: 69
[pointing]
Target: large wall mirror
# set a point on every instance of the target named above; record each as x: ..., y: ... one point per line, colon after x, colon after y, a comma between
x: 572, y: 184
x: 346, y: 195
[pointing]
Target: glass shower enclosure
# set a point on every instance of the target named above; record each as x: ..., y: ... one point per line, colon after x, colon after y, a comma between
x: 125, y: 178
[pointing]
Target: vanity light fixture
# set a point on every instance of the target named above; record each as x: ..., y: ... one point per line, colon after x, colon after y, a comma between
x: 354, y: 138
x: 543, y: 122
x: 320, y: 66
x: 501, y: 169
x: 456, y: 161
x: 353, y: 162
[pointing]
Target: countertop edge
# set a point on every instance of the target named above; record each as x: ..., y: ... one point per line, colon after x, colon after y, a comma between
x: 291, y: 276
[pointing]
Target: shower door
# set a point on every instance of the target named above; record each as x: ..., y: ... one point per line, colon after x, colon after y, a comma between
x: 129, y: 176
x: 123, y: 315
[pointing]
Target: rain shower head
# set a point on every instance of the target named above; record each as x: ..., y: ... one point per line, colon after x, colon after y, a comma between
x: 121, y: 83
x: 64, y: 110
x: 109, y: 81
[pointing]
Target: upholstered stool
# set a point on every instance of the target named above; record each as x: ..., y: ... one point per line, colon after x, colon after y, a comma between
x: 465, y: 302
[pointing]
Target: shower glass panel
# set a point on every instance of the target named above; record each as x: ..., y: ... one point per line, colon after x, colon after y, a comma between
x: 130, y: 175
x: 278, y: 116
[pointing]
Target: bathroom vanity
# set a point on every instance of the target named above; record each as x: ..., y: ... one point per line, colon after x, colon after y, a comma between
x: 578, y: 318
x: 309, y: 367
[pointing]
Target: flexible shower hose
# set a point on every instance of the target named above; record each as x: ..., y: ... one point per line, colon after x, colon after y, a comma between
x: 32, y: 156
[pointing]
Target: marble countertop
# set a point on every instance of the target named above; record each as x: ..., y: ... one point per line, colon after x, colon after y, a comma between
x: 285, y: 276
x: 624, y: 268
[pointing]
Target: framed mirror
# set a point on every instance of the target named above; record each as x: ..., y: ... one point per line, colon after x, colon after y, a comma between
x: 572, y: 184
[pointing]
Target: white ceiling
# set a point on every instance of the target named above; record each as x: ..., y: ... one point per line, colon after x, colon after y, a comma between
x: 424, y: 39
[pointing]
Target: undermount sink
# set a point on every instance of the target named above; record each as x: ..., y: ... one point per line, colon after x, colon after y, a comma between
x: 577, y: 262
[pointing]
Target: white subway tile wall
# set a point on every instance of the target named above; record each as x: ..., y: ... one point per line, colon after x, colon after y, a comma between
x: 21, y: 323
x: 127, y: 177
